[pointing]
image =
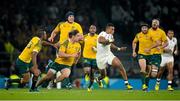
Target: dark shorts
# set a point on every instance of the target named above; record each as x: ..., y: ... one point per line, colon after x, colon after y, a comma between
x: 156, y: 60
x: 22, y: 67
x: 58, y: 67
x: 90, y: 63
x: 146, y: 57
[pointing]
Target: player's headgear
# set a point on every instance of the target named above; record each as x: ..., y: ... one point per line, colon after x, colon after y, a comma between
x: 144, y: 24
x: 68, y: 14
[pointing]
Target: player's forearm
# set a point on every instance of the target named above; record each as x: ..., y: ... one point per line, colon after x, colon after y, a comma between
x: 175, y: 50
x: 53, y: 34
x: 76, y: 61
x: 165, y: 45
x: 103, y: 41
x: 47, y: 43
x: 34, y: 58
x: 134, y: 46
x: 114, y: 46
x: 155, y: 45
x: 64, y: 55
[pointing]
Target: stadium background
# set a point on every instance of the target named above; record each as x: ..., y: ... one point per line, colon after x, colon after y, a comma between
x: 19, y: 19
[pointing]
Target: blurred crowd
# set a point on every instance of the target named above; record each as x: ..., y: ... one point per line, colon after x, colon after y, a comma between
x: 19, y: 20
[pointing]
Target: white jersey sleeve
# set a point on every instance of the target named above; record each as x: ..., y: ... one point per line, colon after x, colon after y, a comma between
x: 175, y: 40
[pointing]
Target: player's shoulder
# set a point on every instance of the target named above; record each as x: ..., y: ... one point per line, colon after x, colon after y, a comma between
x: 138, y: 34
x: 61, y: 23
x: 35, y: 38
x: 102, y: 33
x: 174, y: 39
x: 65, y: 43
x: 76, y: 24
x: 150, y: 29
x: 86, y: 35
x: 96, y: 35
x: 161, y: 30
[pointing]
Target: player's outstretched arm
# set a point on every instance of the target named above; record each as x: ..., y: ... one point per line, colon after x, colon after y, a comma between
x: 155, y: 45
x: 117, y: 48
x: 53, y: 34
x: 134, y: 45
x: 65, y: 55
x: 49, y: 44
x: 164, y: 44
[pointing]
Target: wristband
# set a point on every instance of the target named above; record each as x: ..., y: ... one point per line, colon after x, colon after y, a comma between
x: 118, y: 49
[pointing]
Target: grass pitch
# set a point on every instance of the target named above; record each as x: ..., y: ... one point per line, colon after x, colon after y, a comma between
x: 82, y: 94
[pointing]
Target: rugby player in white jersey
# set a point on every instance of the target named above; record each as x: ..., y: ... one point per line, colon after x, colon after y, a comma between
x: 168, y: 60
x: 105, y: 57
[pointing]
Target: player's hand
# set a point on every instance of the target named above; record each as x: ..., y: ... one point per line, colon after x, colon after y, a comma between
x: 51, y: 39
x: 175, y: 52
x: 111, y: 38
x: 75, y: 55
x: 147, y: 50
x: 35, y: 70
x: 159, y: 48
x: 55, y: 46
x: 94, y: 49
x: 122, y: 48
x: 134, y: 54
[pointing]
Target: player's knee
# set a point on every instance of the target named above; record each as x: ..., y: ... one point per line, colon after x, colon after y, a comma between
x: 65, y: 75
x: 154, y: 71
x: 36, y: 74
x: 47, y: 77
x: 25, y: 80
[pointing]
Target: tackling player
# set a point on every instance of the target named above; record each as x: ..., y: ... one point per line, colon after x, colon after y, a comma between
x: 69, y: 54
x: 63, y: 28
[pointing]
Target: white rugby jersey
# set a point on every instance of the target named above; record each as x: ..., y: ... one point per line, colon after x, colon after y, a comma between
x: 103, y: 50
x: 171, y: 45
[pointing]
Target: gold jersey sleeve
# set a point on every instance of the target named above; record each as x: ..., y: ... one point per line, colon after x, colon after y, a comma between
x: 89, y: 43
x: 68, y: 48
x: 136, y: 38
x: 33, y: 46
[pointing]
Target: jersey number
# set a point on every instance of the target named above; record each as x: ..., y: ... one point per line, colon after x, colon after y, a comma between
x: 29, y: 44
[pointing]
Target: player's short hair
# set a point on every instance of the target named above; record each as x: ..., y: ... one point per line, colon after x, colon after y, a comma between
x: 68, y: 14
x: 109, y: 25
x: 73, y: 33
x: 170, y: 30
x: 158, y: 20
